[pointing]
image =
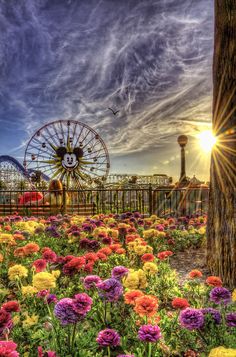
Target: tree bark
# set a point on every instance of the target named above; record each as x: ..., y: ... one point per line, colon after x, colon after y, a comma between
x: 221, y: 229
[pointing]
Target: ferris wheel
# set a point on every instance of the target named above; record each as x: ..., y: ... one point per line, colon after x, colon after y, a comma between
x: 70, y: 151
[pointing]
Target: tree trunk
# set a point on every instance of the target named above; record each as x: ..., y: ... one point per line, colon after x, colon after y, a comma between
x: 221, y: 229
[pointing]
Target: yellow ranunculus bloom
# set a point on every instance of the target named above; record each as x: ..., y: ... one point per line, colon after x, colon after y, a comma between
x: 202, y: 230
x: 135, y: 280
x: 6, y: 238
x: 140, y: 249
x: 149, y: 233
x: 17, y: 271
x: 234, y: 295
x: 222, y: 352
x: 28, y: 290
x: 150, y: 267
x: 30, y: 321
x: 56, y: 273
x: 44, y: 281
x: 131, y: 281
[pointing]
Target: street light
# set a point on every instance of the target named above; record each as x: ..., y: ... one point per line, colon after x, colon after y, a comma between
x: 182, y: 141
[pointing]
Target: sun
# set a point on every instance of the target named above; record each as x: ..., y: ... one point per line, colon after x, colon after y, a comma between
x: 207, y: 140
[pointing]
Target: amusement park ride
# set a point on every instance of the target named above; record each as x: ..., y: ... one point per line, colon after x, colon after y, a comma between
x: 72, y: 152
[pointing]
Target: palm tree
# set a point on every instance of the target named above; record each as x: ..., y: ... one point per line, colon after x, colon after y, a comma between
x: 221, y: 230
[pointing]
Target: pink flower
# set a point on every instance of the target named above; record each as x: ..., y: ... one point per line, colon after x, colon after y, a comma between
x: 8, y: 349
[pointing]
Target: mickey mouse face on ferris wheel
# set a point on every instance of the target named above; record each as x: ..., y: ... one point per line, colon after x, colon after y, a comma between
x: 69, y: 160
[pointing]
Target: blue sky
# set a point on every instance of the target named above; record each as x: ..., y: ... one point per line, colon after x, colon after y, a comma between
x: 149, y: 59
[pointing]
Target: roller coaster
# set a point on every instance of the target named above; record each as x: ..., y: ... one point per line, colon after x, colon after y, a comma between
x: 13, y: 174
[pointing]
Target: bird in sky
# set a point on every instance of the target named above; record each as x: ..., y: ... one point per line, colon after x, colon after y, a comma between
x: 113, y: 111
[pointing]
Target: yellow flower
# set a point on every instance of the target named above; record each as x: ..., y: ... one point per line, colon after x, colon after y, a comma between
x: 17, y: 271
x: 160, y: 234
x: 149, y: 249
x: 56, y: 273
x: 222, y: 352
x: 150, y: 267
x: 30, y: 321
x: 135, y: 280
x: 44, y: 281
x: 149, y: 233
x: 140, y: 249
x: 234, y: 295
x: 6, y: 238
x: 28, y: 290
x: 114, y: 233
x: 16, y: 319
x: 202, y: 230
x: 131, y: 281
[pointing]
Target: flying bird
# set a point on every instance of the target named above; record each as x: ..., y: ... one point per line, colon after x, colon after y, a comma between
x: 114, y: 112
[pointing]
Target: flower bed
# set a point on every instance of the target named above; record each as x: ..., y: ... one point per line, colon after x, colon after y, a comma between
x: 103, y: 286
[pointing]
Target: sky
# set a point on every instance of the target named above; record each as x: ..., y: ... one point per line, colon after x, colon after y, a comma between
x: 73, y: 59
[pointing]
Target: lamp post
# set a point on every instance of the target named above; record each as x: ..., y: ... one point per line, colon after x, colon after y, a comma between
x: 182, y: 141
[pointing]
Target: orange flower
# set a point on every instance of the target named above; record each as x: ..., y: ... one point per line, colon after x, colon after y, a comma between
x: 19, y: 252
x: 1, y: 258
x: 132, y: 295
x: 195, y: 274
x: 146, y: 305
x: 214, y: 281
x: 120, y: 251
x: 114, y: 247
x: 180, y: 303
x: 31, y: 248
x: 147, y: 257
x: 7, y: 228
x: 18, y: 236
x: 105, y: 250
x: 102, y: 256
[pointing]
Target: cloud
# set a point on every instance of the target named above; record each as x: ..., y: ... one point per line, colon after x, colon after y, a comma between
x: 72, y: 59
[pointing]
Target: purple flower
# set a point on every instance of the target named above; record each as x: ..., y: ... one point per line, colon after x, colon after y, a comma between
x: 91, y: 280
x: 220, y: 295
x: 119, y: 271
x: 191, y: 318
x: 110, y: 289
x: 65, y: 311
x: 213, y: 313
x: 82, y: 303
x: 84, y: 243
x: 108, y: 337
x: 107, y: 240
x: 51, y: 298
x: 149, y: 333
x: 93, y: 245
x: 231, y: 319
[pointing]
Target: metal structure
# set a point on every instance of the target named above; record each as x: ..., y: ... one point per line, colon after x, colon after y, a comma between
x: 133, y: 180
x: 164, y: 202
x: 70, y: 151
x: 12, y: 174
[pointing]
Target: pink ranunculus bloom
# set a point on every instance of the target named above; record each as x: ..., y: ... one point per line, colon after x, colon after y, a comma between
x: 8, y: 349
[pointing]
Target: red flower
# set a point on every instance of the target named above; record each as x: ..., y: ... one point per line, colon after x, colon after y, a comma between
x: 148, y: 257
x: 195, y: 274
x: 102, y: 256
x: 40, y: 265
x: 165, y: 254
x: 74, y: 265
x: 11, y: 306
x: 180, y: 303
x: 91, y: 257
x: 214, y: 281
x: 49, y: 255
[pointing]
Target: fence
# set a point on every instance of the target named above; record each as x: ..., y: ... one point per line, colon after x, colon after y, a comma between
x: 161, y: 201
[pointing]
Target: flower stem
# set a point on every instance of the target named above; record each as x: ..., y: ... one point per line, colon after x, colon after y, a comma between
x: 150, y: 349
x: 108, y: 351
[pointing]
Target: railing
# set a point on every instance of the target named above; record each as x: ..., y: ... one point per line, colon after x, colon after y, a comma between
x: 161, y: 201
